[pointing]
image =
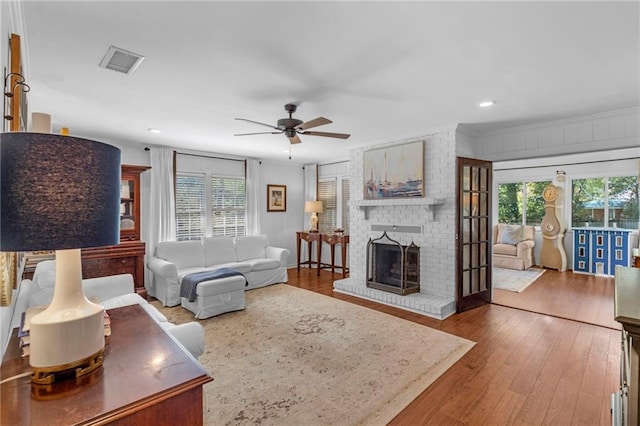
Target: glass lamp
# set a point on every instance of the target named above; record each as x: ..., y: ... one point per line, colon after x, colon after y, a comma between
x: 60, y: 193
x: 313, y: 207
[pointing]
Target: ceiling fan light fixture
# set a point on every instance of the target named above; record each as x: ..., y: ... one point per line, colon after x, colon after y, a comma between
x: 487, y: 104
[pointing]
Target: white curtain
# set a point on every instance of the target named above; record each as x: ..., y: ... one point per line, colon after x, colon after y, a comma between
x: 162, y: 217
x: 310, y: 189
x: 253, y: 200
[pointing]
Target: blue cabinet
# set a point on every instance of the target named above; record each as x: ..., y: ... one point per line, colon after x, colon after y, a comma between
x: 599, y: 250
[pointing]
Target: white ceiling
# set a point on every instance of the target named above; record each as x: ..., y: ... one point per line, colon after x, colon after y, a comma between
x: 382, y: 71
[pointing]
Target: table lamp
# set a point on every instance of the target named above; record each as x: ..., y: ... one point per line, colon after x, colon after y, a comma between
x: 313, y: 207
x: 60, y: 193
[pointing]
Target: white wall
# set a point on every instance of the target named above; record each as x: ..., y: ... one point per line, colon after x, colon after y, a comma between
x: 281, y: 227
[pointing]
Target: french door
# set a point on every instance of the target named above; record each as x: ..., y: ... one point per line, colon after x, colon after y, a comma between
x: 473, y: 233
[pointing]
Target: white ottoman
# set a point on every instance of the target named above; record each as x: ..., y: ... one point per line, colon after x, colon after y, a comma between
x: 217, y: 296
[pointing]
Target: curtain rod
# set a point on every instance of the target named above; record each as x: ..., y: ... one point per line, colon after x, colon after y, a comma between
x: 146, y: 148
x: 567, y: 164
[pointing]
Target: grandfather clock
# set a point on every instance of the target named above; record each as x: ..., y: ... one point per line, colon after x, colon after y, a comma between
x: 552, y: 254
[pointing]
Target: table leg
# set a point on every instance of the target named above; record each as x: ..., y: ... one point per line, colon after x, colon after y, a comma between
x: 343, y: 248
x: 299, y: 242
x: 319, y: 246
x: 333, y: 258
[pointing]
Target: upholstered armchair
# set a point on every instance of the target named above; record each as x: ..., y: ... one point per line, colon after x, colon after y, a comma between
x: 513, y: 246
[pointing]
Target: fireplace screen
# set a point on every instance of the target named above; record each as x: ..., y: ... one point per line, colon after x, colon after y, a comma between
x: 393, y: 267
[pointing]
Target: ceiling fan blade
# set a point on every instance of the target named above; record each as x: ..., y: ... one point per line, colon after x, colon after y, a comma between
x: 328, y: 134
x: 257, y: 133
x: 294, y: 139
x: 257, y: 122
x: 320, y: 121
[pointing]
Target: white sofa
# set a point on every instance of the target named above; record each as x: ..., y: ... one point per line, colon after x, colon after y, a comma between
x: 111, y: 292
x: 252, y: 256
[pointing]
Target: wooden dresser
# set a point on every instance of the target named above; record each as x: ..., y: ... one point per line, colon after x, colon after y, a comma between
x: 124, y: 258
x: 147, y: 378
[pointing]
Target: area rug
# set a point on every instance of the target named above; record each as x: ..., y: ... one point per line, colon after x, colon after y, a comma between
x: 514, y: 280
x: 294, y: 357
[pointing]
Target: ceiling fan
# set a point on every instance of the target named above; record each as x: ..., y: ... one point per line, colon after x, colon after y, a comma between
x: 292, y: 127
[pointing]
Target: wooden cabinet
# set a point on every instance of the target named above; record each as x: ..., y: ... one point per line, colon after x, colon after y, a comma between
x: 128, y: 256
x: 599, y: 250
x: 130, y: 202
x: 124, y: 258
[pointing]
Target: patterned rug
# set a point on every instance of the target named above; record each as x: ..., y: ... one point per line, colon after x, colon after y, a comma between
x: 514, y: 280
x: 298, y: 357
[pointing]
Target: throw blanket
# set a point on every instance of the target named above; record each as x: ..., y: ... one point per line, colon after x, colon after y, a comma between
x: 190, y: 282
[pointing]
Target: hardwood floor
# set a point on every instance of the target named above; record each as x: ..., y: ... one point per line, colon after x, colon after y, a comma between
x: 526, y: 368
x: 579, y: 297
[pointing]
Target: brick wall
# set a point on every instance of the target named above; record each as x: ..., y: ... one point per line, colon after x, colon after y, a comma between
x: 437, y: 239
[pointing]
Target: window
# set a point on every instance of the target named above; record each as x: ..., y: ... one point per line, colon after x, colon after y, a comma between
x: 345, y: 205
x: 224, y: 215
x: 327, y: 193
x: 228, y: 206
x: 190, y: 210
x: 521, y: 202
x: 605, y: 201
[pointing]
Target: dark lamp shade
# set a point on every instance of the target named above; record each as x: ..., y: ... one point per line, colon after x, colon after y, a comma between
x: 58, y: 192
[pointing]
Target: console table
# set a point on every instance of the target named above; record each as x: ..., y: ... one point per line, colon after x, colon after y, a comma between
x: 319, y: 238
x: 147, y: 378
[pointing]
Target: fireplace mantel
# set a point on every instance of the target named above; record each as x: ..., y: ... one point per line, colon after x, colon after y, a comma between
x: 429, y: 204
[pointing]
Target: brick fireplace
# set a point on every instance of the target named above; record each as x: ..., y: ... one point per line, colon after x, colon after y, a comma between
x: 428, y: 221
x: 393, y: 267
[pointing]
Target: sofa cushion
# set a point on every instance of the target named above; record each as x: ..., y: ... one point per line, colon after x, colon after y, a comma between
x: 511, y: 234
x: 251, y: 247
x: 219, y: 250
x: 185, y: 254
x: 263, y: 264
x: 505, y: 249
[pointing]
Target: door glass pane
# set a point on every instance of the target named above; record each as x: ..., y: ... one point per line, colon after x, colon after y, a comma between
x: 466, y: 178
x: 466, y: 230
x: 483, y: 279
x: 484, y: 205
x: 466, y: 280
x: 475, y: 179
x: 484, y: 229
x: 484, y: 179
x: 474, y: 230
x: 465, y: 256
x: 475, y: 280
x: 466, y: 204
x: 474, y: 255
x: 483, y: 253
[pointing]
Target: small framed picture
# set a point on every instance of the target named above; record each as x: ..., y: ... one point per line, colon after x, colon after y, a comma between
x: 276, y: 198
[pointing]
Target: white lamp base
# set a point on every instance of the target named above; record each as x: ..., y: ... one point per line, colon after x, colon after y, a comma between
x: 314, y: 222
x: 70, y: 332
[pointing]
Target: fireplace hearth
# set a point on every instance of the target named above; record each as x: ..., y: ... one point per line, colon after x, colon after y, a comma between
x: 393, y: 267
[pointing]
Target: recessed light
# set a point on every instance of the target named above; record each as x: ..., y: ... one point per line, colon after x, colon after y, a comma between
x: 487, y: 104
x: 152, y: 130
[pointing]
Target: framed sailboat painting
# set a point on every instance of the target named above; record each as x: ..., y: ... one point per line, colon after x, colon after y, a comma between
x: 395, y: 171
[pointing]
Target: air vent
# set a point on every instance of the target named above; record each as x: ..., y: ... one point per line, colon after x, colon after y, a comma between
x: 121, y: 60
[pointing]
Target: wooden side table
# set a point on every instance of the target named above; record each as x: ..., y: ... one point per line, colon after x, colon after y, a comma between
x: 147, y: 378
x: 309, y: 237
x: 319, y: 238
x: 332, y: 240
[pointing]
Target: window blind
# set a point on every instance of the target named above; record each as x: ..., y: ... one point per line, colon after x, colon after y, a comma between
x: 190, y: 207
x: 345, y: 205
x: 327, y: 193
